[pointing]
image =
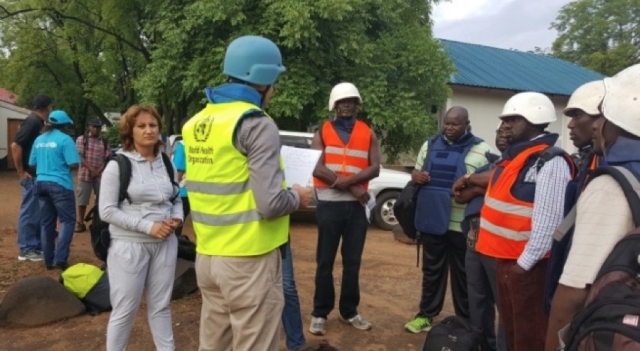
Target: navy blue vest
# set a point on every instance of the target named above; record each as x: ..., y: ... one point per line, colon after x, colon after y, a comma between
x: 475, y: 205
x: 523, y: 190
x: 445, y: 165
x: 621, y: 153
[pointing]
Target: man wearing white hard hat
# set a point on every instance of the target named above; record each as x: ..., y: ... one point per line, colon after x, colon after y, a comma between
x: 350, y: 159
x: 583, y: 111
x: 604, y: 216
x: 523, y: 206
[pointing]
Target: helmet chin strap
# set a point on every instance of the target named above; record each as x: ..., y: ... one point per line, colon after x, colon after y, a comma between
x: 263, y: 95
x: 603, y: 143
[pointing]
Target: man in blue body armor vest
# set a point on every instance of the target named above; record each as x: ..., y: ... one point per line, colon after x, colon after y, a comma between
x: 451, y: 155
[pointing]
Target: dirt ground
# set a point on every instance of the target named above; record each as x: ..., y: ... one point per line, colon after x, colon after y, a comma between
x: 389, y: 283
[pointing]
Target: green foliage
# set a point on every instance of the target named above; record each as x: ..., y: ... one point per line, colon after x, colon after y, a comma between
x: 104, y: 55
x: 603, y: 35
x: 112, y: 134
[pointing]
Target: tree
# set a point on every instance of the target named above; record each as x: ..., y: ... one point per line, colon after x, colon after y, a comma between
x: 603, y: 35
x: 385, y: 48
x: 165, y: 52
x: 68, y: 50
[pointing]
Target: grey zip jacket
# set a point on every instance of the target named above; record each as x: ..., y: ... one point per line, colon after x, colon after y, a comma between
x: 150, y: 191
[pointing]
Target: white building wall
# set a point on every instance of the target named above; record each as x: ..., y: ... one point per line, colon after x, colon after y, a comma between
x: 485, y: 105
x: 8, y: 111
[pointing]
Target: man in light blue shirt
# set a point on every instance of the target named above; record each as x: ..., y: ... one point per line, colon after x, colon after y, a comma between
x: 55, y: 155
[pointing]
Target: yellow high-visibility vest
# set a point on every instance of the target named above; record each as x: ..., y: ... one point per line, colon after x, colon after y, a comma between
x: 224, y: 211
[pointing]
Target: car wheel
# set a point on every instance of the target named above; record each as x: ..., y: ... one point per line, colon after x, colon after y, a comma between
x: 383, y: 215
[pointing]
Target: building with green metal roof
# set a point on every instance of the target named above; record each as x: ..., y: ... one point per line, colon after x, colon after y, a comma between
x: 486, y: 77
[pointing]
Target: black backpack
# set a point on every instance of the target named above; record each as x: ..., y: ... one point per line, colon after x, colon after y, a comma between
x: 454, y: 334
x: 100, y: 236
x: 610, y: 319
x: 404, y: 208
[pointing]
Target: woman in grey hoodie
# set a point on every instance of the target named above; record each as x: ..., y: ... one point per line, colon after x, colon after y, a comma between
x: 143, y: 250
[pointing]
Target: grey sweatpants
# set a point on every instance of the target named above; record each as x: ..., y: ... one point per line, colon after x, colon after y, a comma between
x: 133, y: 267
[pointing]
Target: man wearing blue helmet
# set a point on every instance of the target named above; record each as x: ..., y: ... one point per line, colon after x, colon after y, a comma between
x: 240, y: 202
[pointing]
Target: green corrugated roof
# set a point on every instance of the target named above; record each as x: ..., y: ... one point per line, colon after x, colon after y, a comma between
x: 489, y: 67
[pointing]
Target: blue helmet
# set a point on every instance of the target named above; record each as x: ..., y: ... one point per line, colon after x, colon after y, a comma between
x: 59, y: 117
x: 253, y: 59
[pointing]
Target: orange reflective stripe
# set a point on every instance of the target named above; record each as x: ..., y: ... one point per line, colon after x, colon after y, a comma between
x: 594, y: 163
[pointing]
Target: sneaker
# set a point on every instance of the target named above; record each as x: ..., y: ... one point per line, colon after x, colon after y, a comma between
x: 30, y: 256
x: 318, y: 326
x: 358, y: 322
x: 419, y: 324
x: 80, y: 227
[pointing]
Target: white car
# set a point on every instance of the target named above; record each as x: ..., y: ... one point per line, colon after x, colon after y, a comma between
x: 386, y: 187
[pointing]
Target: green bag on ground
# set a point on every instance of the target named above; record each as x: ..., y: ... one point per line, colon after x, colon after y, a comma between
x: 81, y: 278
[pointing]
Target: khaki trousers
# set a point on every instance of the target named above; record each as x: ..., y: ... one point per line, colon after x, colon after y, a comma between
x: 242, y: 302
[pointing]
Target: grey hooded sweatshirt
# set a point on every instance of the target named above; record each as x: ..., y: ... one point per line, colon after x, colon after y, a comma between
x: 150, y: 191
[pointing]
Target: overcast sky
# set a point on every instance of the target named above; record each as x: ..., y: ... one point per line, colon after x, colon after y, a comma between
x: 509, y: 24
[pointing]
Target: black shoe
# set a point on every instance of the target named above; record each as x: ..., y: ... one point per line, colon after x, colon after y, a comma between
x: 60, y: 266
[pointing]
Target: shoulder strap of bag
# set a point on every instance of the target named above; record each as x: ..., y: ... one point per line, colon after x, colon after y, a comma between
x: 85, y: 142
x: 124, y: 171
x: 630, y: 184
x: 169, y: 166
x: 430, y: 143
x: 547, y: 155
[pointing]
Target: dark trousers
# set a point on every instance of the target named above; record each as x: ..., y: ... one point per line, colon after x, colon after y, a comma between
x: 441, y: 254
x: 336, y: 220
x: 481, y: 282
x: 521, y: 305
x: 186, y: 208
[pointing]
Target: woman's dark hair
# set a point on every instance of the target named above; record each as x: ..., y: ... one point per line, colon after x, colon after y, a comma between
x: 128, y: 121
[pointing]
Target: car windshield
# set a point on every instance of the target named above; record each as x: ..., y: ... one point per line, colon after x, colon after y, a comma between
x: 296, y: 141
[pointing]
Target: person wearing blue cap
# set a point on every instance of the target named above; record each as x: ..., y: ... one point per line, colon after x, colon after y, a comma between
x: 240, y: 202
x: 54, y: 155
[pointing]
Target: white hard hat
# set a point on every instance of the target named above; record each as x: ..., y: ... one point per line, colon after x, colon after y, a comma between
x: 621, y: 103
x: 534, y: 107
x: 586, y: 98
x: 343, y: 91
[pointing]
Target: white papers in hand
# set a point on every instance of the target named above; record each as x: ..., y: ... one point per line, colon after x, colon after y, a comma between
x: 370, y: 206
x: 299, y: 164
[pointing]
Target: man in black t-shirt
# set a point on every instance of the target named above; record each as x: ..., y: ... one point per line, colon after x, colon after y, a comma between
x: 29, y: 218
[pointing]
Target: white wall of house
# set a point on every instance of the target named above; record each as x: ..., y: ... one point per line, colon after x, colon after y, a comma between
x: 485, y: 105
x: 8, y: 111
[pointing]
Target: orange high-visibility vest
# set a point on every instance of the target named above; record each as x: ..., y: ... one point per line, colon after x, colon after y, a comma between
x: 345, y: 160
x: 505, y: 221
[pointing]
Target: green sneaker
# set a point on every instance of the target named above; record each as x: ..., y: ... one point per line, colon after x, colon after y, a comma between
x: 31, y: 256
x: 419, y: 324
